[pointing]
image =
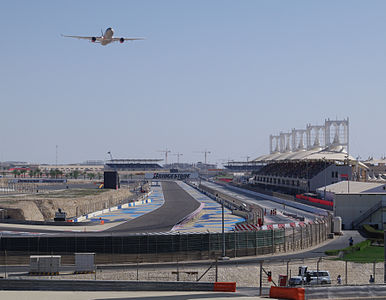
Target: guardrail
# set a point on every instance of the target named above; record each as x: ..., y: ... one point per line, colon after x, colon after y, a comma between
x: 102, y: 285
x: 143, y: 200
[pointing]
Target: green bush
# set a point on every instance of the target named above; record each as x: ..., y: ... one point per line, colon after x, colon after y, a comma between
x: 372, y: 232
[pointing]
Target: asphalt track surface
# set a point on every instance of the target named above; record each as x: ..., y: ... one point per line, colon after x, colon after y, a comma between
x: 264, y: 203
x: 178, y: 204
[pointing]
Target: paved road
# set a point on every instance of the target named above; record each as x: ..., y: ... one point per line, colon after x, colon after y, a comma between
x: 178, y: 204
x: 242, y: 293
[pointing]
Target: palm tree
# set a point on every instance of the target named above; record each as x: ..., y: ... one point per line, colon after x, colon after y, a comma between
x: 22, y: 172
x: 59, y: 173
x: 52, y: 173
x: 15, y: 173
x: 75, y: 174
x: 38, y: 172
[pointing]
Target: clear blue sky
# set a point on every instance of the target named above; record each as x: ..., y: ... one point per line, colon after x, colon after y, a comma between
x: 216, y: 75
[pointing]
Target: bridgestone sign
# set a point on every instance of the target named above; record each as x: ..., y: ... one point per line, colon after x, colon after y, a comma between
x: 171, y: 176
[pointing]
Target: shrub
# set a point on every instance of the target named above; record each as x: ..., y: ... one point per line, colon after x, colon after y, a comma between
x: 372, y: 232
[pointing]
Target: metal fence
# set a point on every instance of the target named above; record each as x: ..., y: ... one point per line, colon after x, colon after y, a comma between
x: 168, y: 246
x: 251, y: 274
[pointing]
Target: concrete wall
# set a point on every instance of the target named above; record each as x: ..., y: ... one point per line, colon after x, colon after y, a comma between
x: 101, y: 285
x: 351, y: 206
x: 326, y: 176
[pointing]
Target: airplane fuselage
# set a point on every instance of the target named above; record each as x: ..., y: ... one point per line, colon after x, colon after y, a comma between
x: 107, y: 38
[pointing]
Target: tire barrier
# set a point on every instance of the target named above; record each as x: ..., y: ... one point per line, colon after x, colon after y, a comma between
x: 287, y: 293
x: 43, y: 273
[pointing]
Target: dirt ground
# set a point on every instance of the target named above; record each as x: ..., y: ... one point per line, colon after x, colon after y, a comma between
x: 75, y: 202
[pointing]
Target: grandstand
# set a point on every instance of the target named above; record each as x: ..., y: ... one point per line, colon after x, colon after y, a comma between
x: 240, y: 166
x: 305, y: 159
x: 377, y: 169
x: 133, y: 164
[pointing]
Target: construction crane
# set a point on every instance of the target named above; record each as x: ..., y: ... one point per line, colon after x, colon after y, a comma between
x: 166, y: 151
x: 206, y: 152
x: 178, y: 157
x: 111, y: 156
x: 247, y: 157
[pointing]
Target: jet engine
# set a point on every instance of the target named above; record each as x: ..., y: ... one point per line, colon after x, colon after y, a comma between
x: 121, y: 40
x: 93, y: 39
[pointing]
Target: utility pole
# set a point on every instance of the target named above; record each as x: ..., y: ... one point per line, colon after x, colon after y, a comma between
x: 111, y: 156
x: 166, y: 151
x: 357, y: 168
x: 56, y: 156
x: 247, y: 157
x: 206, y: 152
x: 178, y: 157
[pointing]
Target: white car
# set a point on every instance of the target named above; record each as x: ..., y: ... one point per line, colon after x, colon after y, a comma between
x: 320, y: 277
x: 316, y: 277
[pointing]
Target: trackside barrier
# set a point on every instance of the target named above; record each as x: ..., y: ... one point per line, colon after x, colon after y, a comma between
x: 144, y: 200
x: 286, y: 293
x: 307, y: 208
x: 315, y: 200
x: 101, y: 285
x: 224, y: 287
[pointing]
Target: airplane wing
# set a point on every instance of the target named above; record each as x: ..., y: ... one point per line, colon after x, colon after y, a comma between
x: 116, y: 39
x: 90, y: 38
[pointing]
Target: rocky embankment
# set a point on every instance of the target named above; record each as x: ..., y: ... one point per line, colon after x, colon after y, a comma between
x: 75, y: 202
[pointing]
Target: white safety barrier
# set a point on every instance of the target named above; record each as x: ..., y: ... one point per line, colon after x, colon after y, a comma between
x: 114, y: 208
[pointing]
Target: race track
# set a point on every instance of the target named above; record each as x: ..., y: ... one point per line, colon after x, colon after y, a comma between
x: 178, y: 204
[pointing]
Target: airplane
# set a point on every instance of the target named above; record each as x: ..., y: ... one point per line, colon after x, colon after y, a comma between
x: 105, y: 39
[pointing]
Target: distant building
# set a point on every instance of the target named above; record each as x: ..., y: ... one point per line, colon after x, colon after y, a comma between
x: 68, y: 168
x: 133, y: 164
x: 377, y: 169
x: 358, y: 203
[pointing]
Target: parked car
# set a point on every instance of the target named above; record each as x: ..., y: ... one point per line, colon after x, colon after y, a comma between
x: 311, y: 277
x: 319, y: 277
x: 295, y: 280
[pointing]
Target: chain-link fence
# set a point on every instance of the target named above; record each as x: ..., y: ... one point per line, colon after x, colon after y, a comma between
x: 167, y: 246
x: 251, y: 274
x: 350, y: 273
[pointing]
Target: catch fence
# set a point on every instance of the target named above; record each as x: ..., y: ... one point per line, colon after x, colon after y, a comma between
x: 115, y: 248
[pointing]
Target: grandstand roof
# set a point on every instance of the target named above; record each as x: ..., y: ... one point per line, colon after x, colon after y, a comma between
x: 332, y: 153
x: 372, y: 161
x: 135, y: 160
x: 301, y: 154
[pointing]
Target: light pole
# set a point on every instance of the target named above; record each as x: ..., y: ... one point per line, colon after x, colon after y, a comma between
x: 223, y: 256
x: 325, y: 175
x: 357, y: 169
x: 348, y: 175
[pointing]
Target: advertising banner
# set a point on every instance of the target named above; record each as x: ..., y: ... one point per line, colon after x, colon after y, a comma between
x: 171, y: 176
